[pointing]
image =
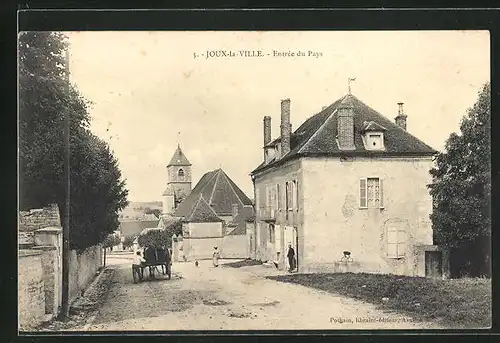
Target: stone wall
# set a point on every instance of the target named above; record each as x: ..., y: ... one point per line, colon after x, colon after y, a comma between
x: 234, y: 246
x: 40, y: 266
x: 31, y: 295
x: 82, y: 269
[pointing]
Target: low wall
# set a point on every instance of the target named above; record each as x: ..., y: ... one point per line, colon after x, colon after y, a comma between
x: 82, y: 269
x: 234, y: 246
x: 200, y: 248
x: 31, y: 294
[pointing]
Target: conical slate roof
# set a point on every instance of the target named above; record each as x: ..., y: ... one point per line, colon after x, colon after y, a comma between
x: 178, y: 159
x: 219, y: 191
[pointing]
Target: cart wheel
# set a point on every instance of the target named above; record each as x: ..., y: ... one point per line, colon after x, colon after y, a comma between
x: 134, y: 275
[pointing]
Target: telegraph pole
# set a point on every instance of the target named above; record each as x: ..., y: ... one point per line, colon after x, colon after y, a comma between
x: 67, y: 169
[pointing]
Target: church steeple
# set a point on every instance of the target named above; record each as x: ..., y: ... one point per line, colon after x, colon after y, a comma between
x: 179, y: 159
x: 178, y: 181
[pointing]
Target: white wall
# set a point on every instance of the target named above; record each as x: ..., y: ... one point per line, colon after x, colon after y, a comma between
x: 205, y: 229
x: 333, y: 221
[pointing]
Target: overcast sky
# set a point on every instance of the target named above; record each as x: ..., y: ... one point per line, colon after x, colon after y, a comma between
x: 149, y: 92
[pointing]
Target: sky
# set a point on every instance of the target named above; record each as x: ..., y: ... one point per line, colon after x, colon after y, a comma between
x: 149, y: 92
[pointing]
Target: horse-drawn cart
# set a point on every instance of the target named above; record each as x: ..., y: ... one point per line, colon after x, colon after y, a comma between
x: 158, y: 259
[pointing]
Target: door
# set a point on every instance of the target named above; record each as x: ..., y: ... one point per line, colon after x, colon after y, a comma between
x: 251, y: 252
x: 296, y: 247
x: 433, y: 264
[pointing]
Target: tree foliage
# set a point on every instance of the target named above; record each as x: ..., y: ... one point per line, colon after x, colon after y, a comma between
x: 128, y: 241
x: 461, y: 186
x: 111, y: 241
x: 97, y: 190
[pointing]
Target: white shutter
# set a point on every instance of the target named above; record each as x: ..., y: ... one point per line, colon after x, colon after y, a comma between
x: 381, y: 193
x: 278, y: 196
x: 297, y: 195
x: 362, y: 193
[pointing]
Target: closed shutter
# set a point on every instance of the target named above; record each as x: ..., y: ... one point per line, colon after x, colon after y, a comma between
x: 381, y: 193
x: 362, y: 193
x: 278, y: 196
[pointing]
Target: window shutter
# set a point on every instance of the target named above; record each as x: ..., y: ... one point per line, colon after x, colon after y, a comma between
x: 278, y: 196
x: 287, y: 196
x: 296, y: 195
x: 381, y: 193
x: 362, y: 193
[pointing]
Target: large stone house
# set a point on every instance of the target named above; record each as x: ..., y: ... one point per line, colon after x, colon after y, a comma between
x: 347, y: 180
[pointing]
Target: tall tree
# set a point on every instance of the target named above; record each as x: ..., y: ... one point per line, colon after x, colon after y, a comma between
x: 461, y: 191
x: 97, y: 191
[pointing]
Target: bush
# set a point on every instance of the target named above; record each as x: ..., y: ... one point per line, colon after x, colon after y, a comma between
x: 154, y: 237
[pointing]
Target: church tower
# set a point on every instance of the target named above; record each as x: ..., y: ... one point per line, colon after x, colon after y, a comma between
x: 178, y: 181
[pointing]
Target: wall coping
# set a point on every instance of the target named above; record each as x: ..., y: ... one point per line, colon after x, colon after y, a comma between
x: 50, y: 229
x: 30, y: 252
x: 428, y: 247
x: 44, y: 247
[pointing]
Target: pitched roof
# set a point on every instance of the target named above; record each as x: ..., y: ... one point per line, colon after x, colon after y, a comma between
x: 178, y: 159
x: 218, y: 190
x: 243, y: 216
x: 202, y: 212
x: 316, y: 136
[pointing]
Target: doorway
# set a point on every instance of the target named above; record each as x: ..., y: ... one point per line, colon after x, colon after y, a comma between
x: 433, y: 264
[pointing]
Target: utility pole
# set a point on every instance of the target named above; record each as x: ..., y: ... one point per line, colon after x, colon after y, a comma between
x: 67, y: 170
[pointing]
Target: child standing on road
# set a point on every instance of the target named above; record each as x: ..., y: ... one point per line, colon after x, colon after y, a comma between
x: 215, y: 257
x: 136, y: 264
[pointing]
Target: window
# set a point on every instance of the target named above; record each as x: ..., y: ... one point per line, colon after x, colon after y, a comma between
x: 371, y: 193
x: 180, y: 173
x: 257, y: 200
x: 272, y: 237
x: 396, y: 242
x: 374, y: 141
x: 295, y: 195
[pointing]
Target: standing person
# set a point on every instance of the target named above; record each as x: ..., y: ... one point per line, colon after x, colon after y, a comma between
x: 215, y: 257
x: 291, y: 258
x: 136, y: 264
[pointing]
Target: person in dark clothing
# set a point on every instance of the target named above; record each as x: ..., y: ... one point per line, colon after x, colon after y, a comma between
x: 291, y: 258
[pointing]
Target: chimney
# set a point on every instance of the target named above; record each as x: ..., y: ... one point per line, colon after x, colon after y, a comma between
x: 286, y: 127
x: 345, y: 125
x: 267, y: 130
x: 401, y: 118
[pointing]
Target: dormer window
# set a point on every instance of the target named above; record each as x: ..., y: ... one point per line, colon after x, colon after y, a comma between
x: 375, y: 141
x: 373, y: 136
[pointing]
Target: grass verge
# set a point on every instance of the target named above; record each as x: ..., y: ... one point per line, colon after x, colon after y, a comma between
x: 244, y: 263
x: 453, y: 303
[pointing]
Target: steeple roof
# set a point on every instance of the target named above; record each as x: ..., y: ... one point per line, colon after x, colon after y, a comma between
x: 178, y: 159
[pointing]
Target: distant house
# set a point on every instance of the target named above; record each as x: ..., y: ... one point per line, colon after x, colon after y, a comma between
x: 214, y: 208
x: 131, y: 228
x: 347, y: 179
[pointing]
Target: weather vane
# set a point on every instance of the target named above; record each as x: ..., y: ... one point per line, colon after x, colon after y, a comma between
x: 349, y: 80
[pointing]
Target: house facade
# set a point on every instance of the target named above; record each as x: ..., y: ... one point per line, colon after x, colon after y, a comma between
x: 348, y: 191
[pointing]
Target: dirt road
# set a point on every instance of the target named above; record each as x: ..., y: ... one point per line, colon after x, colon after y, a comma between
x: 224, y: 298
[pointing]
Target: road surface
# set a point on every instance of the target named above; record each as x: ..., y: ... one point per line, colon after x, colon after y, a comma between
x: 224, y: 298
